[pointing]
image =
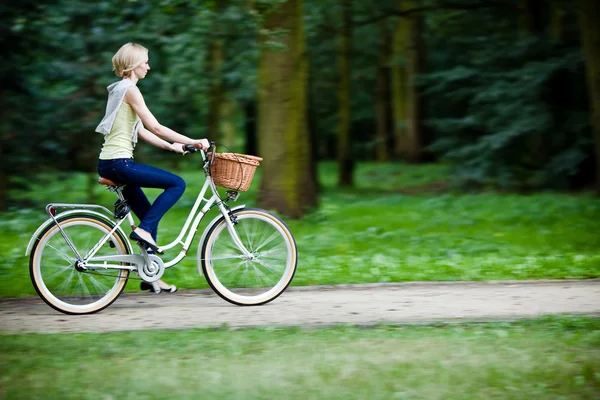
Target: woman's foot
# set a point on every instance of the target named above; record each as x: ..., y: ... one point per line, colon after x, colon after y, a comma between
x: 143, y: 237
x: 158, y: 287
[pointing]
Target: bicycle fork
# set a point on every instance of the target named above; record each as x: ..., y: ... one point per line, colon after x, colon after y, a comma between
x: 231, y: 221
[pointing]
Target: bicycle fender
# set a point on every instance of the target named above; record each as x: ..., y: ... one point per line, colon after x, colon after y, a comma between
x: 49, y: 222
x: 210, y: 225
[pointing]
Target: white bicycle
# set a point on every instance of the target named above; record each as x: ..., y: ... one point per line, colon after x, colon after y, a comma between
x: 81, y: 259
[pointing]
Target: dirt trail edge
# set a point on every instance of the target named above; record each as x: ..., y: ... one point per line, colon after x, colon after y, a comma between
x: 319, y: 306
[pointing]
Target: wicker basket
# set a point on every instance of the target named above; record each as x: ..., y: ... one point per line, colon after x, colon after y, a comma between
x: 234, y: 171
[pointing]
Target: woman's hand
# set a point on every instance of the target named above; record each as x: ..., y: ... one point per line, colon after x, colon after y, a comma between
x: 201, y: 144
x: 177, y: 147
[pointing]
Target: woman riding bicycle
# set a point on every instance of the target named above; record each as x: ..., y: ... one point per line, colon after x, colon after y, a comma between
x: 127, y: 119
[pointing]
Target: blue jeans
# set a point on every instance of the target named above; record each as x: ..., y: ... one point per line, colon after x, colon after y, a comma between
x: 136, y: 176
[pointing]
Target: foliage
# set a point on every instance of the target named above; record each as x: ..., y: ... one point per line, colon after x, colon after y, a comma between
x: 543, y: 358
x: 19, y: 104
x: 508, y: 112
x: 59, y: 62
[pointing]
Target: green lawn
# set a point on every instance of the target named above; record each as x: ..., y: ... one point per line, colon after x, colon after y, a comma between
x: 549, y: 358
x: 400, y: 223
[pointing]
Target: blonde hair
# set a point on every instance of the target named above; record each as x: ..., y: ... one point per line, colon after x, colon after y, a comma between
x: 129, y: 56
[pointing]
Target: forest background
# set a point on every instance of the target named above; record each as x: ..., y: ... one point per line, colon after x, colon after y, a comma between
x: 505, y: 92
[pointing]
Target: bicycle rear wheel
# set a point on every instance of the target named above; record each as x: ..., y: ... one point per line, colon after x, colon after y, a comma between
x: 253, y: 280
x: 57, y: 279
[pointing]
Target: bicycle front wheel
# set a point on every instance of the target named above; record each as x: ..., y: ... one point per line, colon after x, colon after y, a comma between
x: 259, y: 278
x: 56, y: 277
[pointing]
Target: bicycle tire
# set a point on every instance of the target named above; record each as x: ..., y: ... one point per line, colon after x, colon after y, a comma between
x: 52, y: 255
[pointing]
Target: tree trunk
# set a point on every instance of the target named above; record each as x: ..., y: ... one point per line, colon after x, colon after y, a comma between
x: 312, y: 129
x: 525, y: 17
x: 90, y: 156
x: 227, y: 126
x: 557, y: 20
x: 408, y: 54
x: 531, y: 20
x: 399, y: 84
x: 381, y: 96
x: 287, y: 185
x: 409, y: 50
x: 250, y: 127
x: 344, y: 154
x: 215, y: 63
x: 589, y: 15
x: 3, y: 189
x: 531, y: 24
x: 4, y: 165
x: 92, y: 183
x: 414, y: 105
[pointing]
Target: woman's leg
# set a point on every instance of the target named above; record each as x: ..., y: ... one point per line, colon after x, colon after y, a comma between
x: 133, y: 194
x: 140, y: 175
x: 140, y: 205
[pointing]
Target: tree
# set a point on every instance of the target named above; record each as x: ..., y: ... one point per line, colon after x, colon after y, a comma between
x: 382, y: 98
x: 589, y: 15
x: 23, y: 135
x: 490, y: 96
x: 399, y: 84
x: 530, y: 16
x: 557, y: 20
x: 415, y: 108
x: 287, y: 183
x: 407, y: 98
x: 215, y: 68
x: 344, y: 154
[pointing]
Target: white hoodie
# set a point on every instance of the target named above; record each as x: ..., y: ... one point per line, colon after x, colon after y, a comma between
x: 116, y: 93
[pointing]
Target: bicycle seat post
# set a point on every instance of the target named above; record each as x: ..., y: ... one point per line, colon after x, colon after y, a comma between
x: 119, y: 192
x: 121, y: 206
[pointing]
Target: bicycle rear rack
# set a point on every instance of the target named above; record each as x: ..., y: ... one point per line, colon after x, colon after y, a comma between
x: 51, y: 210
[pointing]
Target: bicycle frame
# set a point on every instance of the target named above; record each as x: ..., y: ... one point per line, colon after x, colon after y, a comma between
x: 188, y: 230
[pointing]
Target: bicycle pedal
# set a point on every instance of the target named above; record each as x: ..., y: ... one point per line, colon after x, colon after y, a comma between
x: 147, y: 248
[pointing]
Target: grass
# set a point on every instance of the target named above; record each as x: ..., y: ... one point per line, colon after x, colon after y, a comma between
x: 399, y: 223
x: 548, y: 358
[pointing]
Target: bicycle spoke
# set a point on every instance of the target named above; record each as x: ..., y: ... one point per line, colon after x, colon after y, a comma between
x: 260, y: 274
x: 99, y: 286
x: 62, y: 254
x: 264, y: 264
x: 66, y: 283
x: 274, y: 235
x: 229, y: 246
x: 248, y: 237
x: 227, y: 257
x: 272, y: 252
x: 88, y: 244
x: 233, y: 269
x: 60, y: 271
x: 84, y: 289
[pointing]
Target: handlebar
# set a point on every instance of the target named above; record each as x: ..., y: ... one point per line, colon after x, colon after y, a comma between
x: 190, y: 148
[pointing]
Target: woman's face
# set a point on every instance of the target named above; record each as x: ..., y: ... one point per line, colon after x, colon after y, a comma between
x: 141, y: 70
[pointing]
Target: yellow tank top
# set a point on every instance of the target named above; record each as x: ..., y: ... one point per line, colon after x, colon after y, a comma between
x: 119, y: 142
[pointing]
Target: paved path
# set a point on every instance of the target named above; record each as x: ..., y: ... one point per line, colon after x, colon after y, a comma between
x: 319, y: 306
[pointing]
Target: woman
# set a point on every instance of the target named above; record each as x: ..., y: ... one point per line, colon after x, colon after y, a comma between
x: 127, y: 118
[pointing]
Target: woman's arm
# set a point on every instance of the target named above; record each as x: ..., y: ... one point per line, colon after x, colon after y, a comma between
x: 158, y: 142
x: 134, y: 98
